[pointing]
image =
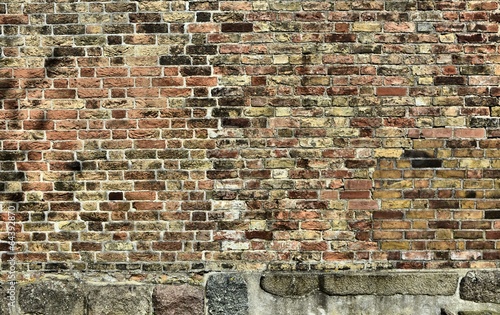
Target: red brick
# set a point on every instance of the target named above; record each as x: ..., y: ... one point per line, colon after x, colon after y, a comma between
x: 392, y: 91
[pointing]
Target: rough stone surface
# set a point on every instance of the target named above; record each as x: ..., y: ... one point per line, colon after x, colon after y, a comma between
x: 227, y: 294
x: 119, y: 300
x: 4, y: 300
x: 290, y: 285
x: 390, y: 284
x: 481, y: 287
x: 178, y: 300
x: 478, y: 313
x: 51, y: 297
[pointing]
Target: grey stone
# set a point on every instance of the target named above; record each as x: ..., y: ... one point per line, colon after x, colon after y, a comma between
x: 227, y: 294
x: 52, y: 297
x: 289, y: 284
x: 5, y: 299
x: 481, y: 286
x: 119, y: 300
x: 390, y: 284
x: 478, y: 313
x: 178, y: 300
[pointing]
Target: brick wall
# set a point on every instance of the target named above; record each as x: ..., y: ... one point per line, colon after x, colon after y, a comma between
x: 256, y: 135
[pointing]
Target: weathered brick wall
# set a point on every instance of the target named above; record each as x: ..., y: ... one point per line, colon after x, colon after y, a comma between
x: 278, y: 135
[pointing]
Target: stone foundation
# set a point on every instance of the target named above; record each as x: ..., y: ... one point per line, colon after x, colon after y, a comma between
x: 444, y: 292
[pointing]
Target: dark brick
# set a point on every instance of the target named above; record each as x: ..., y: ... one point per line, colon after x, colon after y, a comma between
x: 196, y: 71
x: 236, y: 122
x: 203, y: 16
x: 12, y: 176
x: 152, y: 28
x: 482, y: 122
x: 202, y: 49
x: 417, y: 154
x: 144, y: 17
x: 62, y: 18
x: 332, y: 38
x: 263, y: 235
x: 481, y: 101
x: 471, y: 38
x: 118, y: 29
x: 476, y: 70
x: 200, y: 102
x: 232, y: 102
x: 367, y: 49
x: 69, y: 51
x: 492, y: 214
x: 120, y: 7
x: 426, y: 163
x: 175, y: 60
x: 69, y: 29
x: 444, y: 224
x: 360, y: 163
x: 115, y: 40
x: 491, y: 173
x: 444, y: 204
x: 236, y: 27
x: 454, y: 144
x: 444, y: 80
x: 226, y: 112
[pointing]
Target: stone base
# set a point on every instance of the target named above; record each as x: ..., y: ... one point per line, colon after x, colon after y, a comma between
x: 433, y: 293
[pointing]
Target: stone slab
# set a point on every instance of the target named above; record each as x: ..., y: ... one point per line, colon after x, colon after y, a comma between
x: 390, y: 284
x: 289, y: 284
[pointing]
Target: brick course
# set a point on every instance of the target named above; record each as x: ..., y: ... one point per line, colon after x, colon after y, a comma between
x: 185, y: 136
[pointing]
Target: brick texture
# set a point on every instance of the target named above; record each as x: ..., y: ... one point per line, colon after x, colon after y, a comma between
x: 261, y: 135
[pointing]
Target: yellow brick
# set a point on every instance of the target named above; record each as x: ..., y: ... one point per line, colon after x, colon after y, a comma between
x: 342, y: 132
x: 474, y: 163
x: 68, y: 104
x: 395, y: 245
x: 422, y: 225
x: 447, y: 38
x: 400, y: 184
x: 387, y: 194
x: 340, y: 111
x: 235, y: 80
x: 423, y: 214
x: 259, y: 111
x: 396, y: 204
x: 468, y: 215
x: 366, y: 27
x: 280, y: 59
x: 478, y: 184
x: 388, y: 153
x: 426, y: 81
x: 444, y: 234
x: 314, y: 122
x: 280, y: 163
x: 448, y: 183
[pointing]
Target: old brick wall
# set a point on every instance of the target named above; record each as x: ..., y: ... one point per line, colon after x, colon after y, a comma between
x: 257, y: 135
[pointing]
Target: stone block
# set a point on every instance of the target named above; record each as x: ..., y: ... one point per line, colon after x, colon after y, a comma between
x: 51, y: 297
x: 178, y: 300
x: 227, y: 294
x: 390, y: 284
x: 118, y: 300
x: 481, y: 287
